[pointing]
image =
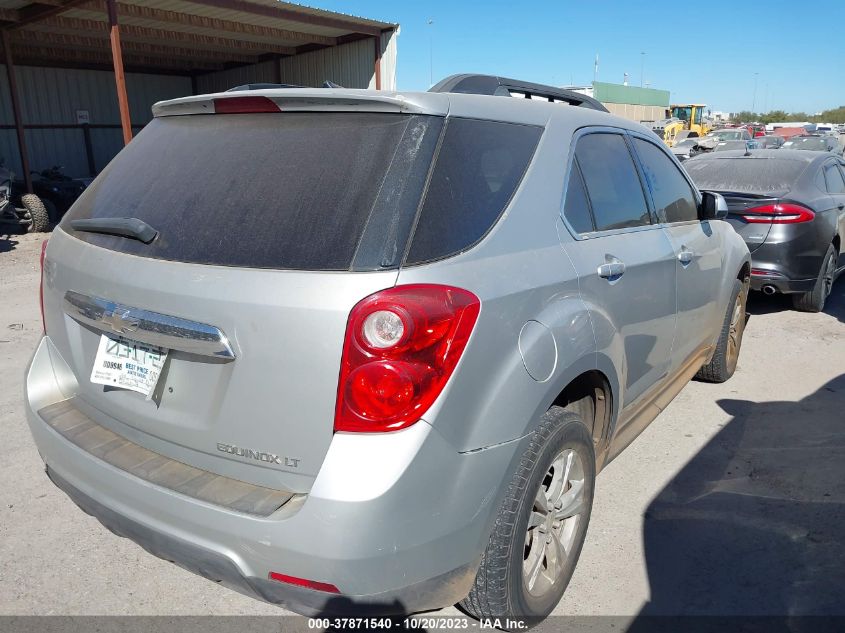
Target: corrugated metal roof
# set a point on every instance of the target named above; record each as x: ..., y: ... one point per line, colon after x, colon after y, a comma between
x: 176, y: 35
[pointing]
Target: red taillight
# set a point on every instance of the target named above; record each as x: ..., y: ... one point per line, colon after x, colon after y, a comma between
x: 41, y: 286
x: 401, y: 347
x: 302, y: 582
x: 780, y: 213
x: 244, y: 105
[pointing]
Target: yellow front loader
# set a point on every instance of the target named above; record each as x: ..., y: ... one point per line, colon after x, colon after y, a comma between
x: 691, y: 116
x: 688, y: 117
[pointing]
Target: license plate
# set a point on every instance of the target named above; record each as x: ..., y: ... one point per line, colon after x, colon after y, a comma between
x: 127, y: 364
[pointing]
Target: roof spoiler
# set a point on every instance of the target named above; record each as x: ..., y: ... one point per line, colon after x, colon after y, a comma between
x: 503, y: 87
x: 306, y: 100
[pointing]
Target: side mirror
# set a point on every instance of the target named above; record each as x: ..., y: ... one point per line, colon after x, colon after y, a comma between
x: 713, y: 206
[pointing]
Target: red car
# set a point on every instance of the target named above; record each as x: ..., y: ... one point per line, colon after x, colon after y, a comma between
x: 756, y: 129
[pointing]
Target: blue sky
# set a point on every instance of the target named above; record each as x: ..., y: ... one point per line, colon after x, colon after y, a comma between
x: 712, y: 58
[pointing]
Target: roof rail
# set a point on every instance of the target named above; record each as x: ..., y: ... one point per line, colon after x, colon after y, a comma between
x: 502, y: 87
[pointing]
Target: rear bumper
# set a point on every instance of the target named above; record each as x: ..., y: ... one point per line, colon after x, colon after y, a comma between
x: 217, y: 567
x: 791, y: 257
x: 781, y: 284
x: 397, y: 522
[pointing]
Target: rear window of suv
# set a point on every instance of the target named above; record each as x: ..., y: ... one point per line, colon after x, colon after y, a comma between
x: 309, y: 191
x: 292, y: 190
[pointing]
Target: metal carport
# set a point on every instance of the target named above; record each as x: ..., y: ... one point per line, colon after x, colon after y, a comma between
x: 55, y: 52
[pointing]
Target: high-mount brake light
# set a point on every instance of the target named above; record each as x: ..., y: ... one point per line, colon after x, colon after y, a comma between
x: 778, y: 213
x: 402, y: 345
x: 245, y: 105
x: 41, y: 286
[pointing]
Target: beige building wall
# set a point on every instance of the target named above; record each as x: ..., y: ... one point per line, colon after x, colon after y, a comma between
x: 637, y: 112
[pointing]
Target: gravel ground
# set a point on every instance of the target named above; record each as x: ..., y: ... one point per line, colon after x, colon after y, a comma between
x: 730, y: 502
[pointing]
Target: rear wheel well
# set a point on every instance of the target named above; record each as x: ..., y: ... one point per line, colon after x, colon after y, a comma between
x: 837, y: 244
x: 744, y: 272
x: 589, y: 396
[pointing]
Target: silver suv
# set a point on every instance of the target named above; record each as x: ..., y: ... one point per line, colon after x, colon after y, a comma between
x: 352, y: 350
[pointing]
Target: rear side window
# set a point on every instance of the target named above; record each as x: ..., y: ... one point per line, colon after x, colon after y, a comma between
x: 833, y: 178
x: 576, y: 208
x: 673, y: 197
x: 612, y: 182
x: 294, y: 190
x: 479, y: 166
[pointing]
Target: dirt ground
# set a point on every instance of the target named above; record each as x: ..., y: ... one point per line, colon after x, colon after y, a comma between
x: 731, y: 502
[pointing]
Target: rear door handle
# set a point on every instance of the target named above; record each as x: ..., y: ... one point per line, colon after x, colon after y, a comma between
x: 685, y: 256
x: 611, y: 270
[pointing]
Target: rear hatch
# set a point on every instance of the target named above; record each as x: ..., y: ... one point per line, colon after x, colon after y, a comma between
x: 270, y: 227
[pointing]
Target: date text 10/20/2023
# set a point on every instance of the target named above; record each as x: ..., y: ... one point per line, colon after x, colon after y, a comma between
x: 418, y: 622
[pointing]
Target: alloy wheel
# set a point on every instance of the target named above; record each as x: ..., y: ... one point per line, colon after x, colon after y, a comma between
x: 736, y: 329
x: 827, y: 276
x: 553, y: 524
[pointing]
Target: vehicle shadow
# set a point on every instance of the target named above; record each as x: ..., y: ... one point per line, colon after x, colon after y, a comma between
x: 759, y: 304
x: 338, y: 612
x: 754, y: 524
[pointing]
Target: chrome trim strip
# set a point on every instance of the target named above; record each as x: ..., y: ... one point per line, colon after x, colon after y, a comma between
x: 148, y: 327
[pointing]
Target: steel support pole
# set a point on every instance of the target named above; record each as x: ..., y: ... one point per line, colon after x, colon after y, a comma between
x: 16, y: 109
x: 377, y: 65
x: 119, y: 77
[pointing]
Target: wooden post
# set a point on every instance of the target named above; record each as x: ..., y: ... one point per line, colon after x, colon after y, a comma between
x: 377, y: 67
x: 119, y: 78
x: 16, y: 110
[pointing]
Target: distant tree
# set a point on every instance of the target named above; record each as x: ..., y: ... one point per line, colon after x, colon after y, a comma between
x: 745, y: 116
x: 774, y: 116
x: 836, y: 115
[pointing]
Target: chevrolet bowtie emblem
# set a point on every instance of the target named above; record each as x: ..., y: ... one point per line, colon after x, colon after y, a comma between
x: 120, y: 321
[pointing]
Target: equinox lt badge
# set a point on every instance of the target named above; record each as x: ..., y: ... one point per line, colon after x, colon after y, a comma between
x: 270, y: 458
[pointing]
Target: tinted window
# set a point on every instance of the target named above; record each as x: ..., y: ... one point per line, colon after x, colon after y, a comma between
x: 479, y: 166
x: 612, y: 183
x: 813, y: 143
x: 729, y: 135
x: 577, y: 208
x: 673, y: 197
x: 833, y: 178
x: 754, y: 174
x: 308, y: 191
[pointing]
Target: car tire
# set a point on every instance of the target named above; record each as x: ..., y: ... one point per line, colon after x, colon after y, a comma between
x: 527, y: 565
x: 814, y: 300
x: 37, y: 212
x: 726, y: 356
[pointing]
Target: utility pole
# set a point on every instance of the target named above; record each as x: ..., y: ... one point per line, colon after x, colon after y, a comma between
x: 430, y: 53
x: 642, y: 67
x: 754, y: 98
x: 596, y: 69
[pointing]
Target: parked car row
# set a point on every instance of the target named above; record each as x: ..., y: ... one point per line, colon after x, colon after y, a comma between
x: 391, y: 388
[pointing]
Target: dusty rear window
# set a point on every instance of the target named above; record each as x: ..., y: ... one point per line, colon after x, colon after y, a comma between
x: 305, y: 191
x: 746, y: 175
